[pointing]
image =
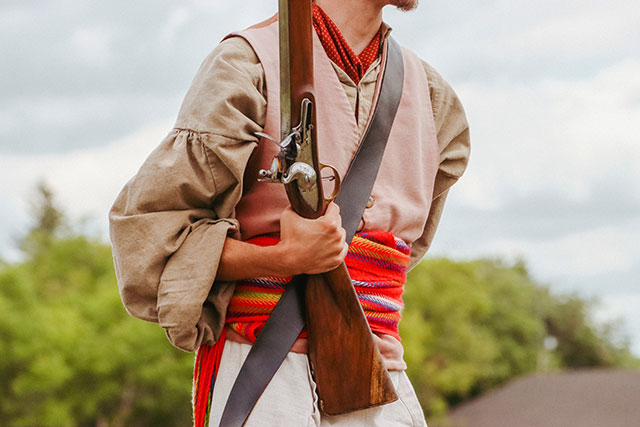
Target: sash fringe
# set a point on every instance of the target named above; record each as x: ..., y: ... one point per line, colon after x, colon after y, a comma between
x: 204, y: 375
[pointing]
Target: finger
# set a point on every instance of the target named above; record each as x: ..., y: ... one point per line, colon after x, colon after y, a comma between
x: 287, y: 212
x: 332, y: 209
x: 335, y: 218
x: 344, y: 252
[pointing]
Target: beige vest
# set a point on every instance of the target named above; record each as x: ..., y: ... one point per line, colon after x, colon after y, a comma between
x: 404, y: 186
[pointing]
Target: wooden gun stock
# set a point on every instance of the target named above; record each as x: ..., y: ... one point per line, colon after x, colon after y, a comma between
x: 347, y: 365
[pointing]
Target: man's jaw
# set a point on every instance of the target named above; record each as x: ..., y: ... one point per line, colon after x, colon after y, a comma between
x: 404, y: 5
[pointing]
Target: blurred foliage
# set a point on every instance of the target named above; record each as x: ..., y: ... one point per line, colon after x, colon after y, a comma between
x: 69, y: 353
x: 71, y: 356
x: 470, y: 326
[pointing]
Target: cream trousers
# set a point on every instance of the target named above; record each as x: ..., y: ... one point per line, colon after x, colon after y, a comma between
x: 290, y: 399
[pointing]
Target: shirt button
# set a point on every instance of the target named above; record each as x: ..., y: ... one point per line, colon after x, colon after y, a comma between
x: 370, y: 202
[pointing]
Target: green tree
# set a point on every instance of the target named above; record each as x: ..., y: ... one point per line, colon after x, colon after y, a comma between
x: 49, y: 221
x: 71, y: 356
x: 470, y: 326
x: 582, y: 342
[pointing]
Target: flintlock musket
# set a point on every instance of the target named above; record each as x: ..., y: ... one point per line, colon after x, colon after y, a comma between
x: 347, y: 366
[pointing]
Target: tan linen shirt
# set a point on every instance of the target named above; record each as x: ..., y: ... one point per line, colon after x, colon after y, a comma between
x: 169, y: 223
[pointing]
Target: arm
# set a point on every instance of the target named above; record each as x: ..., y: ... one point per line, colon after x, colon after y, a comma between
x: 453, y: 141
x: 306, y: 247
x: 172, y: 225
x: 169, y: 224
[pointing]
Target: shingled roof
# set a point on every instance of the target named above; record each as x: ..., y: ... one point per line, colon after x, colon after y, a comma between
x: 592, y: 398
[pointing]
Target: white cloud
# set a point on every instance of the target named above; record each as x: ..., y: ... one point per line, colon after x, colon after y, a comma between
x: 176, y: 20
x: 13, y: 19
x: 85, y: 182
x: 582, y: 31
x: 88, y: 181
x: 556, y: 136
x: 58, y: 112
x: 579, y: 255
x: 94, y: 44
x: 504, y: 41
x: 47, y: 124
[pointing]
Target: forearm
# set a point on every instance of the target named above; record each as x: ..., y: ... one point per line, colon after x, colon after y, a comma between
x: 307, y: 246
x: 241, y: 260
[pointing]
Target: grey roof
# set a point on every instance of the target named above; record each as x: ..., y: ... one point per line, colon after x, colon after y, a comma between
x: 590, y: 398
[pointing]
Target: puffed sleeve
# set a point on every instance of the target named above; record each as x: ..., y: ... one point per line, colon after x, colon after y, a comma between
x: 453, y: 142
x: 169, y: 223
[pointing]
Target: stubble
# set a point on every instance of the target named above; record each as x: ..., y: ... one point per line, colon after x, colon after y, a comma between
x: 404, y: 5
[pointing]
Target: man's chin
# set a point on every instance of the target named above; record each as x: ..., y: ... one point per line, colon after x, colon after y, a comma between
x: 404, y: 5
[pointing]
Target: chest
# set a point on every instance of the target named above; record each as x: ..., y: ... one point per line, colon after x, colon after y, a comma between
x: 403, y: 189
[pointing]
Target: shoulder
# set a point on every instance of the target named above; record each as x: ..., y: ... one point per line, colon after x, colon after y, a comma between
x: 229, y: 81
x: 445, y: 103
x: 452, y: 126
x: 447, y: 106
x: 230, y: 60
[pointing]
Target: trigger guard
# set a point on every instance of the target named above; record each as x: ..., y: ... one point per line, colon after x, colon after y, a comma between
x: 336, y: 187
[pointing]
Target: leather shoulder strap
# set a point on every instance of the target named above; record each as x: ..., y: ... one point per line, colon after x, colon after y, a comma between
x: 359, y: 180
x: 287, y: 319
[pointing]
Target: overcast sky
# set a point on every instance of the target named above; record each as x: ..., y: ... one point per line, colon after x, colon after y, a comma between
x: 551, y: 89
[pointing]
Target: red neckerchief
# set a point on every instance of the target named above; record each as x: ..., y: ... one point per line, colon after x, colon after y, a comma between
x: 339, y: 51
